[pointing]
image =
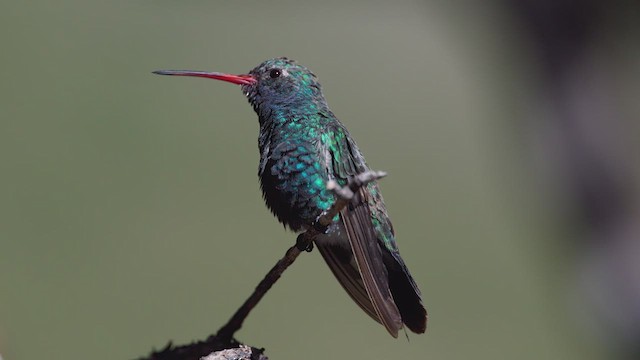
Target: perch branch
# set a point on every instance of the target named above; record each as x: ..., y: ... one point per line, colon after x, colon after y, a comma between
x: 224, y: 338
x: 304, y: 242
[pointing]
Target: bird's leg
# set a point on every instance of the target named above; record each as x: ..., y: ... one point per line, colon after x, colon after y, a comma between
x: 320, y: 227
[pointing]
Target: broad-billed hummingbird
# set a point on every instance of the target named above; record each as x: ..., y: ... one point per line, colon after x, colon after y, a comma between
x: 302, y: 147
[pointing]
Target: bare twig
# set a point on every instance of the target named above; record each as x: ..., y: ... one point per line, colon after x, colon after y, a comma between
x: 224, y: 338
x: 345, y: 194
x: 243, y: 352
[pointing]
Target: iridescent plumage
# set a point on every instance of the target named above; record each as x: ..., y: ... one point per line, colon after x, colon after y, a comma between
x: 303, y: 146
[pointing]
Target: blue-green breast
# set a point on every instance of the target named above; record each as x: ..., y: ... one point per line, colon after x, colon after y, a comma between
x: 293, y: 169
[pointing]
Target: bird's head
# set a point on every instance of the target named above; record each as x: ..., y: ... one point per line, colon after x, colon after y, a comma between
x: 273, y: 84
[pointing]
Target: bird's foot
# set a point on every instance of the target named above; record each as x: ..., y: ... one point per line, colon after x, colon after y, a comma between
x: 304, y: 243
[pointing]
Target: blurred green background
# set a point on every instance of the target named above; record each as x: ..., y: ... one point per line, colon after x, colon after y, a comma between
x: 130, y: 209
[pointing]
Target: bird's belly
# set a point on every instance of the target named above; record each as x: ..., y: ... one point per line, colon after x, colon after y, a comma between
x: 296, y: 194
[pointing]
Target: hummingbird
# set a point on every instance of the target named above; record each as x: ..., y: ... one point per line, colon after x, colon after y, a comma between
x: 302, y: 147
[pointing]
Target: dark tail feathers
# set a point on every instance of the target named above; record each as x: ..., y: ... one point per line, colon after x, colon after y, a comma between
x: 406, y: 294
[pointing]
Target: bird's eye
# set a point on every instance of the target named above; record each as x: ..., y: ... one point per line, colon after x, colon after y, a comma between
x: 274, y: 73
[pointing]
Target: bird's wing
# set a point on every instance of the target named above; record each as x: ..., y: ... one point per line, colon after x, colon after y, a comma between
x: 342, y: 263
x: 363, y: 273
